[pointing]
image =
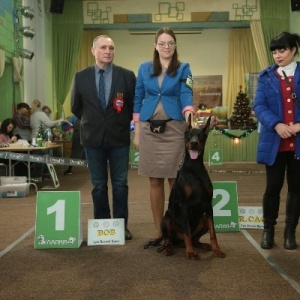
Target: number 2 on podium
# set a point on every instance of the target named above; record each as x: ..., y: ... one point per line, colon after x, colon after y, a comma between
x: 225, y: 197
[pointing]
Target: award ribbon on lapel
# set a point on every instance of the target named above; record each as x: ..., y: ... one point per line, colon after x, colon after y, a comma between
x: 118, y: 102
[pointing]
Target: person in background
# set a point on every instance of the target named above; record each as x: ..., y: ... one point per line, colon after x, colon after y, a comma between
x: 47, y: 110
x: 102, y: 98
x: 6, y: 132
x: 163, y: 92
x: 77, y: 150
x: 7, y: 137
x: 22, y: 119
x: 35, y: 105
x: 277, y: 107
x: 38, y: 118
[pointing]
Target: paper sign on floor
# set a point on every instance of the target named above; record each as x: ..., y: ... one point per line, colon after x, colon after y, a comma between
x: 251, y: 217
x: 106, y: 232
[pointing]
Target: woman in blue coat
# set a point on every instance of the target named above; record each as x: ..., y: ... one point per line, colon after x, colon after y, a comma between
x: 277, y: 107
x: 163, y: 92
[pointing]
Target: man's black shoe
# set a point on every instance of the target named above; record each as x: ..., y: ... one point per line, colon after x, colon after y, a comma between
x: 36, y: 179
x: 68, y: 172
x: 128, y: 235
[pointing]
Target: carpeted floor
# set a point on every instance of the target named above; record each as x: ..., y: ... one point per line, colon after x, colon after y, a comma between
x: 129, y: 271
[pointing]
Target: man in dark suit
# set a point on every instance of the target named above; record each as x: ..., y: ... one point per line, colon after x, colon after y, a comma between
x: 102, y: 99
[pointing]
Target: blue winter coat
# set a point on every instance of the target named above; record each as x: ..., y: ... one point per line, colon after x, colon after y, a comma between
x: 174, y: 93
x: 269, y: 111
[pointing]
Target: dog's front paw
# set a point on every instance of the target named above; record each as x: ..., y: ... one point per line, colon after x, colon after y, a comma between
x: 219, y: 253
x: 169, y: 252
x: 167, y: 248
x: 192, y: 254
x: 153, y: 242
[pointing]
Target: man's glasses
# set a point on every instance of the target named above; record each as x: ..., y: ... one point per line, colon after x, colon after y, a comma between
x: 164, y: 45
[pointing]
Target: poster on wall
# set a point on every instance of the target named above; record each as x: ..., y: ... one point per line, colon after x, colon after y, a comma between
x: 207, y: 90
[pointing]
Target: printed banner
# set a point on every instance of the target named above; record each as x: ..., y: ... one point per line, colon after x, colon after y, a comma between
x: 207, y: 90
x: 43, y: 159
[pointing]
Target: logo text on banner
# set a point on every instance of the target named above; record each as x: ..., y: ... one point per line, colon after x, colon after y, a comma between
x: 42, y: 158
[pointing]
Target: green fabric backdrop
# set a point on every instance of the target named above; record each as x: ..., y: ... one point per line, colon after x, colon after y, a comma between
x: 67, y: 37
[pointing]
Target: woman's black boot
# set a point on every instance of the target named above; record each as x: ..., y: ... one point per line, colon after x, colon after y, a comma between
x: 270, y: 213
x: 267, y: 241
x: 291, y: 221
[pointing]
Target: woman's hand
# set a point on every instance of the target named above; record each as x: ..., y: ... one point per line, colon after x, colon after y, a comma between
x: 13, y: 139
x: 284, y: 131
x: 295, y: 128
x: 187, y: 115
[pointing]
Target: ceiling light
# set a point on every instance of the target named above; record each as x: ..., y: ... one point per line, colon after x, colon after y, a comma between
x: 27, y: 12
x: 24, y: 53
x: 27, y: 31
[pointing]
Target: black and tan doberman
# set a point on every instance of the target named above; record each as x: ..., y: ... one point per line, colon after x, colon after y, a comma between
x: 190, y: 213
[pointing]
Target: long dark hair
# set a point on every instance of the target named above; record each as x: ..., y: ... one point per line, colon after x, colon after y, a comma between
x: 4, y: 125
x: 174, y: 64
x: 285, y: 40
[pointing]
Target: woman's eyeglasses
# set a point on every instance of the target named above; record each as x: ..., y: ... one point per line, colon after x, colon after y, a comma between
x: 164, y: 45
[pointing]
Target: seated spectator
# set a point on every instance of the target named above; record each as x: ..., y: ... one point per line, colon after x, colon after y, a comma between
x: 7, y: 137
x: 22, y: 119
x: 6, y: 132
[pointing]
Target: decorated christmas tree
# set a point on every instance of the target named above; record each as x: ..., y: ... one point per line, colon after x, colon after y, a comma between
x: 241, y: 117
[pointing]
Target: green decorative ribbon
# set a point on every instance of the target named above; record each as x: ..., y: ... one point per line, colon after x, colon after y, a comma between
x: 233, y: 136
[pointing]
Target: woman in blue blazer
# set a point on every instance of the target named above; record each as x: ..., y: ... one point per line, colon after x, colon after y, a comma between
x: 163, y: 93
x: 277, y: 106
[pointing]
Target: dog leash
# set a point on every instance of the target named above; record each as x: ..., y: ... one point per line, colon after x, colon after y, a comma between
x: 293, y: 94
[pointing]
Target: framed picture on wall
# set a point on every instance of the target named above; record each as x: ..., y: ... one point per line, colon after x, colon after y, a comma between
x: 207, y: 89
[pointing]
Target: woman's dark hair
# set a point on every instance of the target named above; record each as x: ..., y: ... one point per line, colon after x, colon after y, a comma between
x: 285, y: 40
x: 4, y: 125
x: 23, y: 105
x: 174, y: 64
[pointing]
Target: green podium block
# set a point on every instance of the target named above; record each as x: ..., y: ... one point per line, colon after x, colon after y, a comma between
x: 58, y: 220
x: 225, y: 206
x: 215, y: 157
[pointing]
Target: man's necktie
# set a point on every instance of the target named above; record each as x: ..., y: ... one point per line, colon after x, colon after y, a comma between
x: 102, y: 90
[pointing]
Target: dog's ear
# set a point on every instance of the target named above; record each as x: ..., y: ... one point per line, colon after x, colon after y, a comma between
x: 207, y: 125
x: 190, y: 121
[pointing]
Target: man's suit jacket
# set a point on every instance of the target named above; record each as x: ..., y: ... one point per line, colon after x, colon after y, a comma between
x: 87, y: 107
